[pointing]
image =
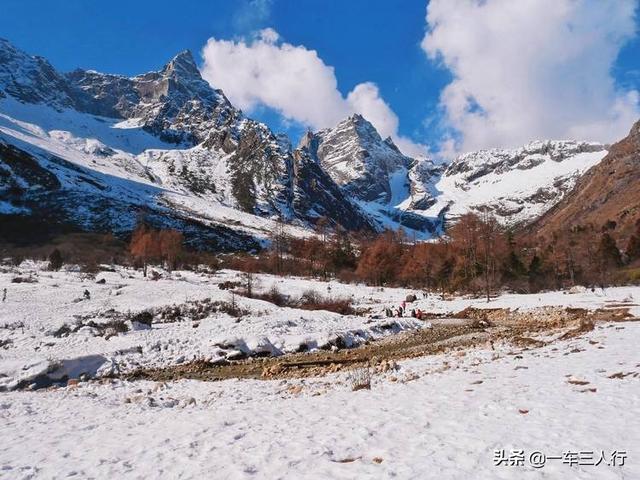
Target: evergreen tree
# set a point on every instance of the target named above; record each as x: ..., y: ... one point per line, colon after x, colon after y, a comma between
x: 633, y: 248
x: 609, y: 252
x: 55, y: 260
x: 444, y: 273
x: 535, y: 273
x: 608, y: 257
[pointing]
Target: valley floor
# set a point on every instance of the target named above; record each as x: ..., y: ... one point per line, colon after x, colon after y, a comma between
x: 449, y: 415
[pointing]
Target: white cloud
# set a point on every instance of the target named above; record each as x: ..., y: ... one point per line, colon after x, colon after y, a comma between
x: 296, y: 82
x: 531, y: 69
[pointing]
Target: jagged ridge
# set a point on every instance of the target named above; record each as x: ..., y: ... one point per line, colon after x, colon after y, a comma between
x: 211, y: 150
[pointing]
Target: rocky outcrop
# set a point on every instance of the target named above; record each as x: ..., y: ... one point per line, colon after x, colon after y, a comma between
x: 392, y: 187
x: 176, y: 103
x: 474, y: 165
x: 317, y: 196
x: 32, y: 79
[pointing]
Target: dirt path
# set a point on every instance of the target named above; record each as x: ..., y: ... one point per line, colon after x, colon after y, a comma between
x: 475, y: 328
x: 404, y: 345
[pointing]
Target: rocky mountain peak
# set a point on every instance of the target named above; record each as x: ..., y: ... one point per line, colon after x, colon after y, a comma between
x: 182, y: 65
x: 8, y: 51
x: 309, y: 142
x: 179, y: 77
x: 357, y: 158
x: 361, y: 127
x: 5, y: 47
x: 31, y: 79
x: 389, y: 141
x: 634, y: 133
x: 174, y: 103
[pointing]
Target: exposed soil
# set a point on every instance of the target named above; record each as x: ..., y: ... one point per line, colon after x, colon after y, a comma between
x: 471, y: 327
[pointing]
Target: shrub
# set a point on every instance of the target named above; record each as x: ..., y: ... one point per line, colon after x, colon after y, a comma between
x: 232, y: 309
x: 228, y: 285
x: 29, y: 279
x: 273, y: 296
x: 145, y: 317
x: 312, y: 300
x: 310, y: 297
x: 309, y: 300
x: 90, y: 267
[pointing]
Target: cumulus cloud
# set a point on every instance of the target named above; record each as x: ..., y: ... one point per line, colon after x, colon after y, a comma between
x: 531, y: 69
x: 296, y: 82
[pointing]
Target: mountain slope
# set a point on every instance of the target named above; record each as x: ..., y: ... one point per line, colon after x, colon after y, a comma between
x: 32, y: 79
x: 515, y: 185
x: 609, y: 191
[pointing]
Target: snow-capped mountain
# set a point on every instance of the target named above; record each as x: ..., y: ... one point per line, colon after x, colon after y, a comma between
x: 356, y: 157
x: 98, y: 151
x: 176, y: 103
x: 164, y: 143
x: 386, y: 183
x: 516, y: 185
x: 32, y: 79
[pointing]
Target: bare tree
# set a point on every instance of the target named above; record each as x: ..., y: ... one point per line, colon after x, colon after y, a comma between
x: 490, y: 245
x: 279, y: 242
x: 249, y: 281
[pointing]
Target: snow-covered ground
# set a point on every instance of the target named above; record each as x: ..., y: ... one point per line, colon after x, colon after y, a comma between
x: 442, y: 416
x: 33, y: 313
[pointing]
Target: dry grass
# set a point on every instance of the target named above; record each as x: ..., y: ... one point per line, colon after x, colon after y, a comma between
x: 273, y: 295
x: 360, y: 379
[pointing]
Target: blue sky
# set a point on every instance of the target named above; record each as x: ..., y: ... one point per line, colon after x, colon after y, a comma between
x: 375, y: 41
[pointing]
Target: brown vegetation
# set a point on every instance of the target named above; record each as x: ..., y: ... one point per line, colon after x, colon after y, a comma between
x: 476, y: 256
x: 148, y: 245
x: 309, y: 300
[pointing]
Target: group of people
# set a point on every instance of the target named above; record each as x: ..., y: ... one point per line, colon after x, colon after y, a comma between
x: 401, y: 310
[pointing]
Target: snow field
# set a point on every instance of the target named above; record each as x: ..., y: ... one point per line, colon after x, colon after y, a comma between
x: 435, y: 417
